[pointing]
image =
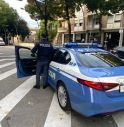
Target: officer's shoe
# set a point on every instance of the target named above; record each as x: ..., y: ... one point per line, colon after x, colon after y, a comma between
x: 45, y: 86
x: 36, y: 87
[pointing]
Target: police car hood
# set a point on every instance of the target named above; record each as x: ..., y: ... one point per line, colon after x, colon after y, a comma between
x: 103, y: 72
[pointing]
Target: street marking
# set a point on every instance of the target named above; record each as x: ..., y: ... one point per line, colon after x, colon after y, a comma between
x: 119, y: 118
x: 7, y: 64
x: 11, y: 56
x: 6, y: 59
x: 9, y: 47
x: 7, y: 74
x: 12, y: 99
x: 56, y: 116
x: 2, y: 60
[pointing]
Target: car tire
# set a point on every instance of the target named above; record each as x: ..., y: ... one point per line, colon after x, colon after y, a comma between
x: 63, y: 97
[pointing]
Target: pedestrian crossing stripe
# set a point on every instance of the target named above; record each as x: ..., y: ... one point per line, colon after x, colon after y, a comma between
x: 119, y: 118
x: 7, y: 64
x: 56, y: 116
x: 7, y: 74
x: 6, y: 59
x: 12, y: 99
x: 9, y: 56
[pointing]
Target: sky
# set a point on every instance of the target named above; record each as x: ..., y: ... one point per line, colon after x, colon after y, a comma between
x: 24, y: 15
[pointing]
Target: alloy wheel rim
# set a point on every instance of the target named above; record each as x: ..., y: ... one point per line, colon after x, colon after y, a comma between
x: 62, y: 96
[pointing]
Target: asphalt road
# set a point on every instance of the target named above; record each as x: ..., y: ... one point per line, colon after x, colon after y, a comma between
x: 23, y: 106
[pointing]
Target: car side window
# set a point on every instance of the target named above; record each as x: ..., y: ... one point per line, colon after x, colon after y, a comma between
x: 62, y: 56
x: 67, y: 58
x: 25, y: 53
x: 56, y: 55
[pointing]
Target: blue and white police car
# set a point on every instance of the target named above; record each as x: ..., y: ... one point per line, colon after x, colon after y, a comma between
x: 87, y: 80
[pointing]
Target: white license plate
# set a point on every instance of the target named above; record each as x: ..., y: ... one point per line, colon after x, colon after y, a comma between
x: 121, y: 88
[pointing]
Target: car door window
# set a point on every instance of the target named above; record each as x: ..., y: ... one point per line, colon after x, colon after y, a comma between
x: 62, y: 56
x: 66, y: 56
x: 25, y: 53
x: 27, y: 62
x: 57, y: 54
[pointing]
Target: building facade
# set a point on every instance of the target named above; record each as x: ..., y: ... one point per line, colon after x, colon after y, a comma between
x: 86, y: 26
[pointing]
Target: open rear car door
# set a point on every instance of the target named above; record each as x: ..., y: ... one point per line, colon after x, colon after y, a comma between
x: 25, y: 63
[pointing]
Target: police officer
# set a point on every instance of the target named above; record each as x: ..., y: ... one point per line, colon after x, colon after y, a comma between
x: 44, y: 51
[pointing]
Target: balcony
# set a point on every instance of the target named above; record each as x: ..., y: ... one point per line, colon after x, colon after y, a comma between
x: 79, y: 28
x: 96, y: 26
x: 92, y: 27
x: 62, y: 30
x: 89, y: 27
x: 115, y: 25
x: 109, y: 26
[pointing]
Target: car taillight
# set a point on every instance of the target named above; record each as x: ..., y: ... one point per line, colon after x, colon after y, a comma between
x: 97, y: 85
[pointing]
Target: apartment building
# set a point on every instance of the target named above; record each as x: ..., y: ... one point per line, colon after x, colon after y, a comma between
x: 62, y: 34
x: 114, y: 29
x: 77, y: 27
x: 85, y: 26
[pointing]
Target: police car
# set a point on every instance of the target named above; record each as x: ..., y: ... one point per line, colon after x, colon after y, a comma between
x: 87, y: 80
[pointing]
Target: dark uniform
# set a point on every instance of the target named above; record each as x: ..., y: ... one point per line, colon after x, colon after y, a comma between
x: 44, y: 52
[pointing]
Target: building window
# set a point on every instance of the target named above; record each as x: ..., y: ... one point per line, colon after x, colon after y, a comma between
x: 117, y: 18
x: 90, y: 21
x: 78, y: 37
x: 96, y: 21
x: 81, y: 22
x: 76, y: 23
x: 110, y: 19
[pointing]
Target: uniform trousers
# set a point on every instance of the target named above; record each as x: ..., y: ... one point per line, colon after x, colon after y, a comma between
x: 42, y: 73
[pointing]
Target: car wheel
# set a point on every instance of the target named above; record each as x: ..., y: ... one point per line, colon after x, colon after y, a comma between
x: 63, y: 97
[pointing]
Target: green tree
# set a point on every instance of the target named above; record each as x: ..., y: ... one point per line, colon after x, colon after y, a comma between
x: 115, y: 5
x: 37, y: 11
x: 22, y: 29
x: 55, y: 9
x: 104, y: 7
x: 9, y: 22
x: 8, y: 17
x: 52, y: 25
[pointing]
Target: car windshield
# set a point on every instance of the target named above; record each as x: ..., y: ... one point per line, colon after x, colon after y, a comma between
x: 99, y: 59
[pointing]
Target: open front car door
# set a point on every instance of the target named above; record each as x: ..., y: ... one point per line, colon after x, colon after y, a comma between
x: 25, y: 63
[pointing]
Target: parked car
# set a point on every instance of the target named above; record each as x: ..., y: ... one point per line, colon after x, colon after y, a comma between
x: 87, y: 80
x: 2, y: 42
x: 119, y: 51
